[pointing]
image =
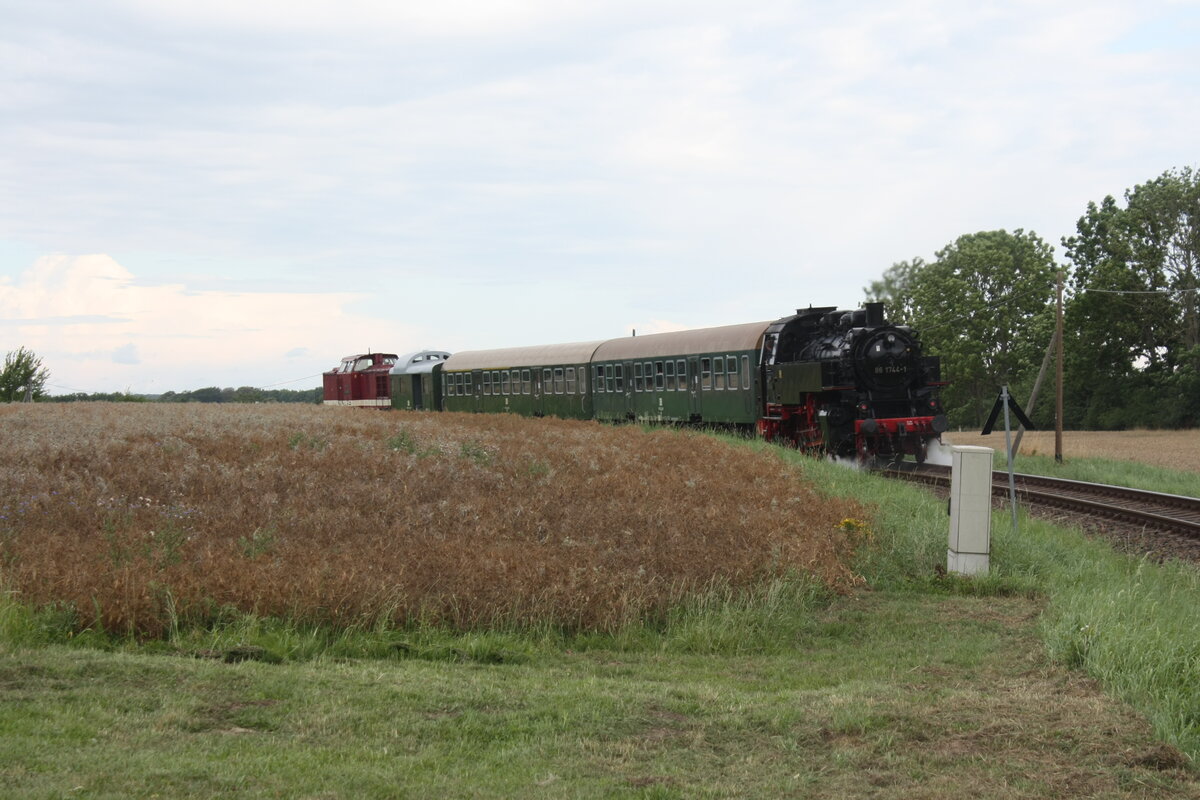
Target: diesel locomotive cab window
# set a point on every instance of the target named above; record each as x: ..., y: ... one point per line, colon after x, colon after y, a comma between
x: 706, y: 373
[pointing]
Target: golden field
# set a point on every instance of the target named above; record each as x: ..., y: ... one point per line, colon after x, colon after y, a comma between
x: 1170, y: 449
x: 140, y: 517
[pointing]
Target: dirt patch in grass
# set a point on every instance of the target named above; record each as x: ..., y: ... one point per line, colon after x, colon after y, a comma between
x: 145, y: 517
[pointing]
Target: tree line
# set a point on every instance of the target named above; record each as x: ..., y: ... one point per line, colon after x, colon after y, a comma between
x: 208, y: 394
x: 987, y: 302
x: 24, y: 378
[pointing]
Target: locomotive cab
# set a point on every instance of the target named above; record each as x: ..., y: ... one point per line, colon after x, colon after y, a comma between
x: 359, y: 380
x: 850, y: 383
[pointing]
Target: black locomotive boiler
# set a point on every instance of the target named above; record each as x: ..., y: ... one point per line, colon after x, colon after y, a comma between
x: 849, y: 383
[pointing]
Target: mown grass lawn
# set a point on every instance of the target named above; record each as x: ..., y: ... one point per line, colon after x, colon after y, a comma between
x: 881, y: 695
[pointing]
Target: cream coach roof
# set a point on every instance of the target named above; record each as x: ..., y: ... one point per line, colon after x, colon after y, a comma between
x: 726, y: 339
x: 418, y: 362
x: 541, y: 355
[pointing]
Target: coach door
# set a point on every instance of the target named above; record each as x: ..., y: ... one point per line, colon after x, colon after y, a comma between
x: 624, y: 385
x: 694, y: 388
x: 418, y: 400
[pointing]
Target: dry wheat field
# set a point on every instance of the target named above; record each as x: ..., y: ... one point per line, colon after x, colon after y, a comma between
x: 1169, y: 449
x: 138, y: 517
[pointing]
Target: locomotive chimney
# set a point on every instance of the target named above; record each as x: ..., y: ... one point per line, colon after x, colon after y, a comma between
x: 874, y: 314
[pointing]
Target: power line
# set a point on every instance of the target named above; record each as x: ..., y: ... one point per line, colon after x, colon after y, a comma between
x: 1151, y: 291
x: 294, y: 380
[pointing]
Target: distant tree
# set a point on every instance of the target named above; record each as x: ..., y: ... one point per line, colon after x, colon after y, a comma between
x: 107, y: 397
x: 894, y: 289
x: 244, y: 394
x: 984, y: 306
x: 23, y: 376
x: 1133, y: 324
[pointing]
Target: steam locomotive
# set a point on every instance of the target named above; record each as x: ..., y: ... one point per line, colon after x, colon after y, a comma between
x: 846, y: 383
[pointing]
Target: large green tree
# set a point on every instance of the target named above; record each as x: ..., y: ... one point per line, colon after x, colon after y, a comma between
x: 1133, y: 326
x: 23, y: 376
x: 984, y: 304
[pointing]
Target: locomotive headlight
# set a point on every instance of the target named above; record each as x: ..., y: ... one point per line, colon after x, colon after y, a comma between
x: 891, y: 337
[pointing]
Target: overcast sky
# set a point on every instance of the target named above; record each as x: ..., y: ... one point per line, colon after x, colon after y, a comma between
x: 240, y: 192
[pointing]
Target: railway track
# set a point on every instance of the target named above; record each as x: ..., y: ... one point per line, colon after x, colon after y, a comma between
x: 1149, y: 510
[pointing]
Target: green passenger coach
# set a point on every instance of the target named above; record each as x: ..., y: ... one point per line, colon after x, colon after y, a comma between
x: 415, y: 386
x: 547, y: 380
x: 706, y: 375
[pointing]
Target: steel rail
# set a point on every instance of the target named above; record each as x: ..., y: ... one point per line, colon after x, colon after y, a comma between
x: 1154, y: 509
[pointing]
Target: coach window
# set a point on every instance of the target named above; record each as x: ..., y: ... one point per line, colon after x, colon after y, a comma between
x: 467, y: 384
x: 658, y: 375
x: 487, y: 383
x: 547, y: 381
x: 505, y: 383
x: 745, y: 372
x: 731, y: 368
x: 528, y: 381
x: 610, y: 378
x: 670, y: 367
x: 637, y: 376
x: 620, y: 377
x: 598, y: 385
x: 681, y: 375
x: 560, y: 385
x: 570, y: 380
x: 718, y: 373
x: 706, y: 373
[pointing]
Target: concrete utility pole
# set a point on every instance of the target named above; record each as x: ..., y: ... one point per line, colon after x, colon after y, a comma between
x: 1058, y: 411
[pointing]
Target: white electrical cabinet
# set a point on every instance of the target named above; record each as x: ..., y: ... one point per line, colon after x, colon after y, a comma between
x: 970, y: 510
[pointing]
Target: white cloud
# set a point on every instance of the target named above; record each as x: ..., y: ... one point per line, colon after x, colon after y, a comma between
x: 98, y: 329
x: 582, y: 162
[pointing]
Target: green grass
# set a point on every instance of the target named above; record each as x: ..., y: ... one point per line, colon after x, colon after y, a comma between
x: 1129, y: 622
x: 915, y: 685
x: 1116, y: 473
x: 882, y: 694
